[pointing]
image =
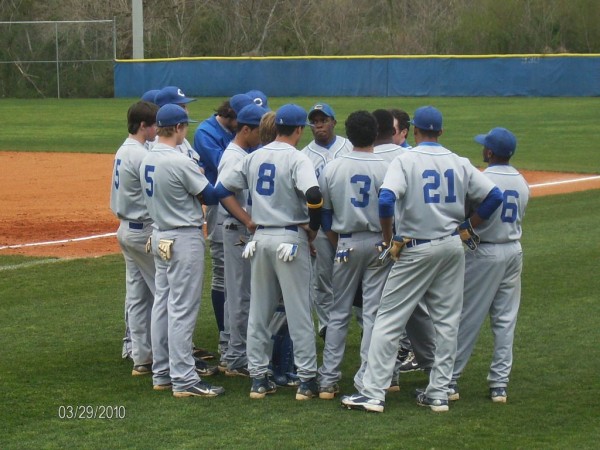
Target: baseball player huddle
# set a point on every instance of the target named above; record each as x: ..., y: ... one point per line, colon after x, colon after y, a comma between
x: 415, y: 242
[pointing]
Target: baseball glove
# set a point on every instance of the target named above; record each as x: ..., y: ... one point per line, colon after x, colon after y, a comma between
x: 393, y: 251
x: 468, y: 235
x: 164, y: 248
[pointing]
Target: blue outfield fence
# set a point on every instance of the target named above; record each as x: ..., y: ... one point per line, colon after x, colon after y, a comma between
x: 564, y: 75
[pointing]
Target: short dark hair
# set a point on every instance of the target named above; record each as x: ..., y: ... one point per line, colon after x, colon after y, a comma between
x: 286, y: 130
x: 241, y: 125
x: 225, y: 110
x: 141, y: 112
x: 430, y: 133
x: 402, y: 117
x: 385, y: 123
x: 361, y: 128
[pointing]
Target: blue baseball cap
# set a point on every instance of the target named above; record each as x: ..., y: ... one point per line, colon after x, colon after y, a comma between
x: 292, y: 115
x: 150, y: 95
x: 172, y: 114
x: 251, y: 114
x: 427, y: 118
x: 323, y: 108
x: 500, y: 141
x: 238, y: 101
x: 171, y: 94
x: 258, y: 97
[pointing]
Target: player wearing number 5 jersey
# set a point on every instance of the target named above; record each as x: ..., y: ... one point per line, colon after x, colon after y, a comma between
x: 493, y: 271
x: 282, y: 183
x: 173, y: 187
x: 350, y: 186
x: 429, y: 186
x: 127, y: 203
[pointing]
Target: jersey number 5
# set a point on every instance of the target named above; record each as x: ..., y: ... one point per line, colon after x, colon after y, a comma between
x: 430, y: 194
x: 148, y: 174
x: 265, y: 185
x: 117, y: 164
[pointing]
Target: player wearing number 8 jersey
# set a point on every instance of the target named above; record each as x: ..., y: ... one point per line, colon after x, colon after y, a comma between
x: 282, y: 183
x: 493, y: 271
x: 428, y: 185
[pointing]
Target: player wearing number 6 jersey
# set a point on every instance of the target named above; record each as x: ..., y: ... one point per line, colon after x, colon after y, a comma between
x: 429, y: 186
x: 493, y: 271
x: 282, y: 183
x: 350, y: 186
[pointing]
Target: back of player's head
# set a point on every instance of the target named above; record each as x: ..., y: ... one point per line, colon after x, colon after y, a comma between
x: 267, y: 130
x: 141, y: 112
x: 361, y: 128
x: 238, y: 101
x: 427, y: 118
x: 385, y: 123
x: 250, y: 115
x: 402, y: 117
x: 500, y: 141
x: 150, y: 96
x: 288, y: 118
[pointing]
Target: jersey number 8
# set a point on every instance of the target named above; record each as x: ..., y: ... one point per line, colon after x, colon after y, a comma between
x: 265, y: 185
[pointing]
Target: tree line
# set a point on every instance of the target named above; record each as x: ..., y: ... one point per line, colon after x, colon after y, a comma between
x: 176, y: 28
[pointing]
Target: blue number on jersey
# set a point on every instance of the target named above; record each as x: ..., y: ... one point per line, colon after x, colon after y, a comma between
x: 148, y: 173
x: 434, y: 185
x: 363, y: 190
x: 117, y: 164
x: 509, y: 206
x: 265, y: 185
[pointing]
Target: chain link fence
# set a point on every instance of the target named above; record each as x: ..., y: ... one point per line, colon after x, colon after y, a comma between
x: 62, y: 59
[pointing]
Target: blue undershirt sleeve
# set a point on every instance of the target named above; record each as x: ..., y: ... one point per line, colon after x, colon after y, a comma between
x: 490, y: 204
x: 387, y: 201
x: 326, y: 219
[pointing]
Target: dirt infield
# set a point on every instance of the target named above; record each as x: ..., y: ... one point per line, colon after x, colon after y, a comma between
x: 47, y: 197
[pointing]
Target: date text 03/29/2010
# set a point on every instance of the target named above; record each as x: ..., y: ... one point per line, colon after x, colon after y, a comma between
x: 103, y: 412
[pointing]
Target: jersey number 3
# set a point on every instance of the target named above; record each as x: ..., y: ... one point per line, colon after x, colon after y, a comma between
x: 363, y: 190
x: 265, y: 185
x: 430, y: 189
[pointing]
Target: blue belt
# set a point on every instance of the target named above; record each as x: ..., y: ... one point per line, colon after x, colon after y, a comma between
x: 289, y: 227
x: 232, y: 227
x: 346, y: 235
x: 136, y: 226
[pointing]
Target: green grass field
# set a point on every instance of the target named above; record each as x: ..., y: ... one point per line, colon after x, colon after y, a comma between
x: 61, y: 321
x: 557, y: 134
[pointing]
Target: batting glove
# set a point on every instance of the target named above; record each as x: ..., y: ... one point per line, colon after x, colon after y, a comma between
x: 343, y: 255
x: 287, y: 252
x: 468, y: 235
x: 249, y: 250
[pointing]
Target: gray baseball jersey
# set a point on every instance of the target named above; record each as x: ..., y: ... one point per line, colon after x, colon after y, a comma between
x: 493, y: 278
x: 350, y: 186
x: 431, y: 185
x: 171, y: 182
x: 127, y: 203
x: 321, y: 291
x: 277, y: 176
x: 389, y: 151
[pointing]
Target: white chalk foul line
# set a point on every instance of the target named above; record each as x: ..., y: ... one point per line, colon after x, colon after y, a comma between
x: 32, y: 264
x: 554, y: 183
x: 61, y: 241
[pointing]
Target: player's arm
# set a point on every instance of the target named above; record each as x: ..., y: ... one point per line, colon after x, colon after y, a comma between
x: 326, y: 222
x: 314, y: 201
x: 233, y: 207
x: 208, y: 196
x: 485, y: 210
x: 387, y: 202
x: 208, y: 149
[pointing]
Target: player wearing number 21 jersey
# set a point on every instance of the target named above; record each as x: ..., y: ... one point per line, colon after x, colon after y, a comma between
x: 428, y: 186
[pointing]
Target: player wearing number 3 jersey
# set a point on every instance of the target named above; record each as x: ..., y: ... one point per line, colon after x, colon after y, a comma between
x: 282, y: 183
x: 428, y: 185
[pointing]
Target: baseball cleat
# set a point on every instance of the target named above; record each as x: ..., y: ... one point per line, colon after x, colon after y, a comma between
x: 328, y: 392
x: 307, y: 389
x: 204, y: 370
x: 200, y: 389
x: 360, y: 402
x: 163, y: 387
x: 410, y: 364
x: 453, y: 393
x: 239, y: 372
x: 222, y: 366
x: 142, y: 369
x: 202, y: 353
x: 435, y: 404
x: 498, y: 394
x: 261, y: 386
x: 394, y: 385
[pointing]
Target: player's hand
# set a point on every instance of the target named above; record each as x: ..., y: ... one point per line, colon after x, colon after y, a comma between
x: 343, y: 255
x: 312, y: 234
x: 381, y: 246
x: 398, y: 243
x: 251, y: 227
x: 468, y: 235
x: 249, y: 250
x: 312, y: 249
x: 383, y: 250
x: 287, y: 252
